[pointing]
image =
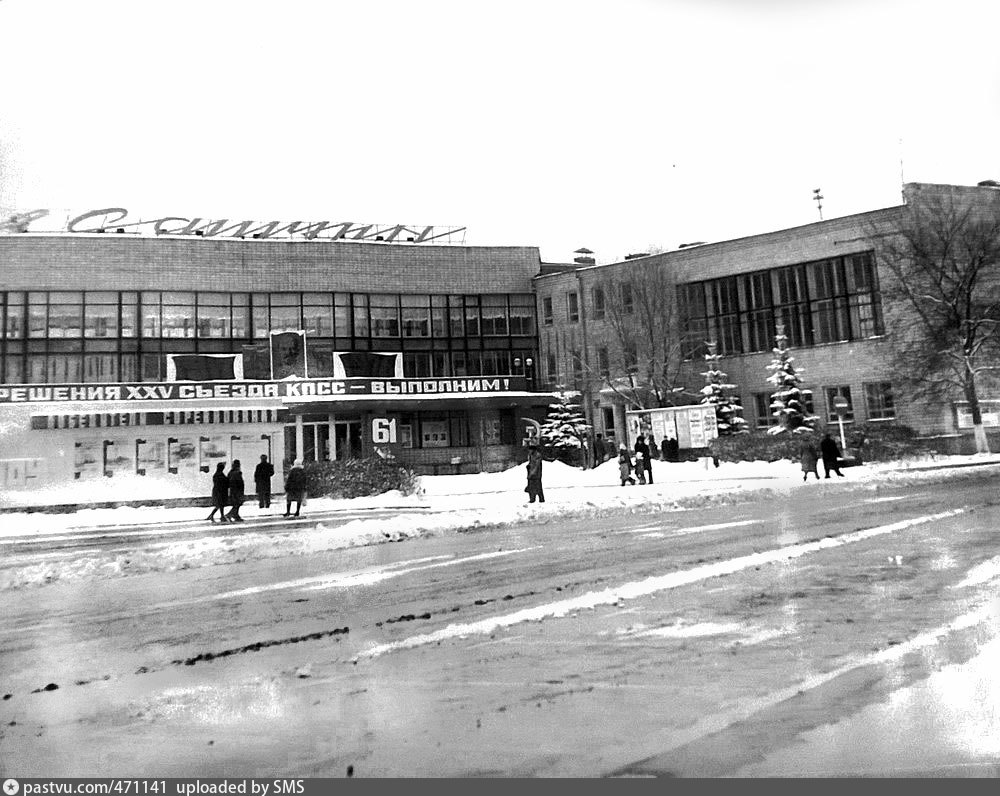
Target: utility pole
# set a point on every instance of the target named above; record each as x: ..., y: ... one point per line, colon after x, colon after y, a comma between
x: 818, y: 198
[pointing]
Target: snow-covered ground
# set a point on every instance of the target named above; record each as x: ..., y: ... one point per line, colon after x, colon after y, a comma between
x: 444, y: 504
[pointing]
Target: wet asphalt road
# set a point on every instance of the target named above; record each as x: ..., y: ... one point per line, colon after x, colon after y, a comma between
x: 694, y: 643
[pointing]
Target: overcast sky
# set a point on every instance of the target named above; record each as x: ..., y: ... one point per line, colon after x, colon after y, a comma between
x: 615, y: 125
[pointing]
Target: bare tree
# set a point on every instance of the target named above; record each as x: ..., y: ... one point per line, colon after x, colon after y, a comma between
x: 644, y: 362
x: 944, y: 260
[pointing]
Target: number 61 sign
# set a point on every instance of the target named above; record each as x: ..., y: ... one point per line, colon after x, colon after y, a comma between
x: 383, y: 430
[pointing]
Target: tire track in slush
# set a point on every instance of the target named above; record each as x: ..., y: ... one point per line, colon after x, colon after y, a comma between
x: 647, y: 586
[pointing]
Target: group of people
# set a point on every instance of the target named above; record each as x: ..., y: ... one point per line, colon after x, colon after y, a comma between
x: 666, y: 449
x: 228, y: 489
x: 828, y: 452
x: 643, y: 466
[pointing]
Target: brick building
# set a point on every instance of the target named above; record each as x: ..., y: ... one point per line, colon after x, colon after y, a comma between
x: 821, y: 281
x: 130, y: 364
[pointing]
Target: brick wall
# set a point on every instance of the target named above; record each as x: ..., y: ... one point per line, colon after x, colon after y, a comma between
x: 126, y: 262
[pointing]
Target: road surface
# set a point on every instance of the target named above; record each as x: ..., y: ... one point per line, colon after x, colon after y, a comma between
x: 725, y: 641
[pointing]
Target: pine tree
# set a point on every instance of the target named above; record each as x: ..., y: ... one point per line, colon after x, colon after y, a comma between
x: 565, y: 428
x: 728, y: 413
x: 789, y: 399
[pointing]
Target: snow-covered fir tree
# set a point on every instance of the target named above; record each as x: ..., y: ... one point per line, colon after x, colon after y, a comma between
x: 788, y: 401
x: 728, y: 413
x: 565, y: 428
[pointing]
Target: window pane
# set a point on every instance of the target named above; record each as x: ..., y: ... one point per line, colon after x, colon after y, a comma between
x: 63, y: 368
x: 342, y: 314
x: 14, y: 321
x: 361, y: 316
x: 213, y: 321
x: 65, y: 320
x: 416, y: 316
x: 522, y: 315
x: 101, y: 320
x: 285, y: 317
x: 494, y: 315
x: 178, y: 320
x: 317, y: 314
x: 384, y: 315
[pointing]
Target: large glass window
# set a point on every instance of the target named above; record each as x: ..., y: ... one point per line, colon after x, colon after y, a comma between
x: 385, y: 315
x: 522, y: 314
x: 572, y: 306
x: 65, y: 314
x: 285, y: 312
x: 415, y: 316
x: 439, y: 316
x: 317, y: 314
x: 213, y: 315
x: 100, y: 315
x: 494, y: 314
x: 38, y: 314
x: 597, y: 299
x: 150, y: 314
x: 472, y: 316
x: 13, y: 324
x: 129, y: 316
x: 879, y: 400
x: 547, y: 310
x: 178, y: 314
x: 360, y: 306
x: 822, y: 302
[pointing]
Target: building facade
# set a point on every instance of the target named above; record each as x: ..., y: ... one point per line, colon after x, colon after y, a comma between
x: 130, y: 365
x: 622, y: 331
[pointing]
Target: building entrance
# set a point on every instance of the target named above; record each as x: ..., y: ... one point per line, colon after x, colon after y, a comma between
x: 347, y: 439
x: 310, y: 439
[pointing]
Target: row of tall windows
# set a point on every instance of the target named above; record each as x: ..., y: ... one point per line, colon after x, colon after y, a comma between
x: 91, y: 336
x: 820, y: 302
x: 163, y: 314
x: 878, y: 397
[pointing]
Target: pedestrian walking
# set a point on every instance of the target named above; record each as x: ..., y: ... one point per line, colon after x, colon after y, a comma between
x: 831, y: 455
x: 534, y: 487
x: 643, y: 463
x: 220, y: 492
x: 808, y: 457
x: 625, y: 465
x: 237, y: 491
x: 262, y: 481
x: 295, y: 488
x: 665, y: 449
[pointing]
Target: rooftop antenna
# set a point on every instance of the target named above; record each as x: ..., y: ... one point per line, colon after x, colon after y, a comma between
x: 818, y: 198
x: 902, y: 179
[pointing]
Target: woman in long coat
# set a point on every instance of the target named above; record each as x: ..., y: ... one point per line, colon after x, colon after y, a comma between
x: 236, y: 491
x: 808, y: 457
x: 220, y: 492
x: 295, y: 488
x: 534, y: 487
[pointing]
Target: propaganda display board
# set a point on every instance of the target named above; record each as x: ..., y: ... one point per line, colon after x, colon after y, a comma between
x: 692, y: 426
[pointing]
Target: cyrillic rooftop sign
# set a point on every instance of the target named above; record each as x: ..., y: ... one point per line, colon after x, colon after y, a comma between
x: 117, y: 219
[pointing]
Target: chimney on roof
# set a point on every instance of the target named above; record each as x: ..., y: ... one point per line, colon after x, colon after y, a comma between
x: 583, y: 257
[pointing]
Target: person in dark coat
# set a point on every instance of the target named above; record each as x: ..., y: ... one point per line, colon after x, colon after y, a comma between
x: 295, y: 488
x: 643, y: 463
x: 534, y: 487
x: 237, y: 491
x: 831, y: 455
x: 665, y: 449
x: 262, y: 481
x: 625, y: 465
x: 220, y: 492
x: 808, y: 457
